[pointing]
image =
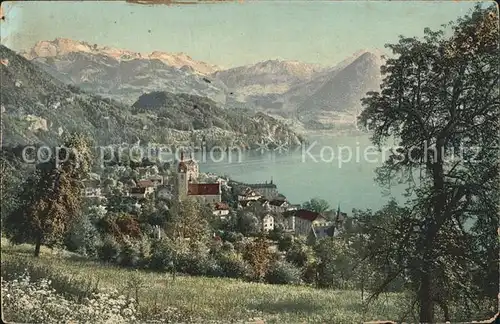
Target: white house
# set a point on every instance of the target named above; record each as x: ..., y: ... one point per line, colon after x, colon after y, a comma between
x: 268, y: 223
x: 92, y: 188
x: 221, y: 209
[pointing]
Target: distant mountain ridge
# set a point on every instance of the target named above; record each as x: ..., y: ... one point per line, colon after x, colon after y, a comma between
x: 343, y: 91
x: 63, y: 46
x: 121, y: 74
x: 294, y: 90
x: 329, y: 95
x: 38, y: 108
x: 127, y: 80
x: 273, y: 76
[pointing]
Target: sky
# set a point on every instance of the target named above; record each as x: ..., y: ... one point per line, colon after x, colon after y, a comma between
x: 230, y: 34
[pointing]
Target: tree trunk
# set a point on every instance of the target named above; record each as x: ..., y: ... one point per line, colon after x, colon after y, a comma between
x: 426, y: 311
x: 436, y: 220
x: 444, y: 307
x: 38, y: 243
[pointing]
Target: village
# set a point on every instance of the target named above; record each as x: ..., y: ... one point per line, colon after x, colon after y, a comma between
x: 185, y: 181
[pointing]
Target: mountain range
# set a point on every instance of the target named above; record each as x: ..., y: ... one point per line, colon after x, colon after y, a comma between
x: 313, y: 95
x: 38, y: 108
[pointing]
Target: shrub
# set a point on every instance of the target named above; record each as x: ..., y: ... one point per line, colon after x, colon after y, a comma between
x: 277, y: 234
x: 299, y: 254
x: 232, y: 236
x: 309, y: 273
x: 64, y: 282
x: 196, y: 265
x: 130, y: 254
x: 191, y: 264
x: 285, y: 243
x: 109, y: 251
x: 25, y: 301
x: 165, y: 254
x: 83, y: 237
x: 213, y: 268
x: 283, y: 272
x: 128, y: 225
x: 161, y: 255
x: 144, y: 246
x: 227, y: 247
x: 234, y: 266
x: 120, y: 225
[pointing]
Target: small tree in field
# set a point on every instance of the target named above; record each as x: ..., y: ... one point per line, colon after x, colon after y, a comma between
x: 187, y: 222
x: 258, y: 256
x: 52, y: 196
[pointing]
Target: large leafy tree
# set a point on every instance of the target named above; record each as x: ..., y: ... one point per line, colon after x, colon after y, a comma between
x: 188, y: 222
x: 317, y: 205
x: 52, y: 196
x: 12, y: 173
x: 440, y: 100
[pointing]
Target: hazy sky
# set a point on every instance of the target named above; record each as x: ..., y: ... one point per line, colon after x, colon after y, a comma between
x: 230, y: 34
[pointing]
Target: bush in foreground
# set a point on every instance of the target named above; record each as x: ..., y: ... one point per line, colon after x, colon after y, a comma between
x: 25, y: 301
x: 283, y: 272
x: 109, y: 251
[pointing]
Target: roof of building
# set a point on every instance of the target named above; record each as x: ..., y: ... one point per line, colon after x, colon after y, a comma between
x: 268, y: 216
x: 305, y: 214
x: 201, y: 189
x: 262, y: 185
x: 138, y: 190
x: 248, y: 192
x: 145, y: 183
x: 221, y: 206
x: 277, y: 202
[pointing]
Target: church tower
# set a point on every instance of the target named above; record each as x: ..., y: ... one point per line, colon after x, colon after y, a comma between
x: 182, y: 178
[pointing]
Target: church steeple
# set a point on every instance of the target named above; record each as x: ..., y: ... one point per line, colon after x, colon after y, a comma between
x: 182, y: 179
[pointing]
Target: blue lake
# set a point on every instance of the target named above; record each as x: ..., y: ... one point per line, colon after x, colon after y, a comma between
x: 339, y: 169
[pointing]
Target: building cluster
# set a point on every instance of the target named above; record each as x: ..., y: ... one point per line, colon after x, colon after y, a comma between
x: 263, y: 199
x: 181, y: 186
x: 275, y: 210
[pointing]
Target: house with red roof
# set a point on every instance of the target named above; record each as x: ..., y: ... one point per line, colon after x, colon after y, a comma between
x: 221, y: 209
x: 187, y: 187
x: 142, y: 189
x: 302, y: 220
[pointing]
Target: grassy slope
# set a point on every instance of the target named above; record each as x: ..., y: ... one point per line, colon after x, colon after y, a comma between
x: 208, y: 298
